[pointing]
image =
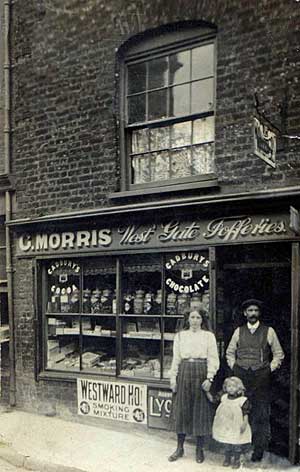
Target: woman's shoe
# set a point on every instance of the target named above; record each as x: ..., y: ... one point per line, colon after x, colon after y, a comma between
x: 199, y: 455
x: 176, y: 455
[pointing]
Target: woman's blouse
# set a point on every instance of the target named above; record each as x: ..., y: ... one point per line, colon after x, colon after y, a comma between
x: 195, y: 345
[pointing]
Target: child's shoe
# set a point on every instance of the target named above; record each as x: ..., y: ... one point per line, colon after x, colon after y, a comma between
x: 236, y: 463
x: 227, y: 460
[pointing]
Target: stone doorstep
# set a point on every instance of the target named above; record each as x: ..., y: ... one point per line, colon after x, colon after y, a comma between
x: 10, y: 455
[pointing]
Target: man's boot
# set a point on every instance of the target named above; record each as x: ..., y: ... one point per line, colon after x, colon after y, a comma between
x: 257, y: 454
x: 179, y: 451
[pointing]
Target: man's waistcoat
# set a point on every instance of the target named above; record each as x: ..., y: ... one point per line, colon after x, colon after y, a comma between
x: 253, y: 350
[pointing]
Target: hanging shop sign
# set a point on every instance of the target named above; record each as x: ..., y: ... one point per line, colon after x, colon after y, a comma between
x: 264, y: 141
x: 159, y: 408
x: 170, y: 234
x: 188, y: 272
x: 111, y: 400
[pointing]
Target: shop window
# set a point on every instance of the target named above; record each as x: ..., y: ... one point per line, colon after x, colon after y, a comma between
x: 119, y: 315
x: 169, y: 103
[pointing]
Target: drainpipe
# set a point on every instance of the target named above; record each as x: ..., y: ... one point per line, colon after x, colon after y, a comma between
x: 8, y: 198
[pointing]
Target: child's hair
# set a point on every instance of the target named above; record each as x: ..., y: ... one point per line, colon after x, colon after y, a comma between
x: 240, y: 388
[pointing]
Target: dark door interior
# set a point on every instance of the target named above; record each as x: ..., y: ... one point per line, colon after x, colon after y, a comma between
x: 263, y: 272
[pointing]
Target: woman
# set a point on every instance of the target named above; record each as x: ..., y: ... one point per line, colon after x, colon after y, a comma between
x: 195, y: 363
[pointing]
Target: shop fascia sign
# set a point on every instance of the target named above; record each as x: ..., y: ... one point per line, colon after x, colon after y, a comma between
x: 265, y: 139
x: 169, y: 234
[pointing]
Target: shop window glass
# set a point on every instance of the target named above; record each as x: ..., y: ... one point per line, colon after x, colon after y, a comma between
x: 92, y: 327
x: 167, y: 97
x: 99, y: 328
x: 140, y: 319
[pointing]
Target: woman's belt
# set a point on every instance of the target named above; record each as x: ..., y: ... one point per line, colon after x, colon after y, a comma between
x: 195, y: 359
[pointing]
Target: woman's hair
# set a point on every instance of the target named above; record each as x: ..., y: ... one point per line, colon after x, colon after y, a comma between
x: 240, y: 388
x: 205, y: 320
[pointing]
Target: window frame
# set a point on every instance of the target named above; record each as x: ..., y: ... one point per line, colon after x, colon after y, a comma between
x: 44, y: 370
x: 145, y: 50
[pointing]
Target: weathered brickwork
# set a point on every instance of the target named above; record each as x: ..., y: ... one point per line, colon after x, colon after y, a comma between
x: 65, y: 140
x: 65, y: 151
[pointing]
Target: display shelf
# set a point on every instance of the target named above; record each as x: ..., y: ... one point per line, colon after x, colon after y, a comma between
x: 53, y: 314
x: 110, y: 315
x: 143, y: 336
x: 99, y: 335
x: 131, y: 315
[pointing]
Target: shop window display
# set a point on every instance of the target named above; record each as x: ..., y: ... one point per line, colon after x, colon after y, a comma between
x: 119, y: 316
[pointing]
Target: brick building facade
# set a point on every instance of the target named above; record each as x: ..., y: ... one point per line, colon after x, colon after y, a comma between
x: 74, y: 172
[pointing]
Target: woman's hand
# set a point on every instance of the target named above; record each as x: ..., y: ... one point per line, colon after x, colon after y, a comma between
x: 173, y: 385
x: 206, y: 385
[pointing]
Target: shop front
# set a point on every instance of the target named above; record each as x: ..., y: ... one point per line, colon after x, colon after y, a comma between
x: 110, y: 297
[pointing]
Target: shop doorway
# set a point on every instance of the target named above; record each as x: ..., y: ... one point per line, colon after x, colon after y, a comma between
x: 263, y: 272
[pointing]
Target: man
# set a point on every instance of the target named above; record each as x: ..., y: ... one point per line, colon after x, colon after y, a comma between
x: 248, y: 355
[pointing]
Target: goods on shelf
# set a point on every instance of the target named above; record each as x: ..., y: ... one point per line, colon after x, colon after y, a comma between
x: 90, y: 359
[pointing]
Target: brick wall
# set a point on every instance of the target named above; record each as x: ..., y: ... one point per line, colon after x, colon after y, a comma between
x: 65, y: 152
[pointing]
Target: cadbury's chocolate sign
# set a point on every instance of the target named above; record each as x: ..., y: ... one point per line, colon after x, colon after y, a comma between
x: 171, y: 234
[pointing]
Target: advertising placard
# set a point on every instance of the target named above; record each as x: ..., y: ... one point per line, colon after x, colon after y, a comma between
x: 112, y: 400
x: 159, y: 408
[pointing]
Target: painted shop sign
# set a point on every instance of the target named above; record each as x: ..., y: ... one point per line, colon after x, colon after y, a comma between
x: 159, y: 408
x: 112, y: 400
x: 170, y: 234
x: 192, y: 268
x: 264, y: 141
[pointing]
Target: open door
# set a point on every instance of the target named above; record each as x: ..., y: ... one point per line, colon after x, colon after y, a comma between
x: 294, y: 381
x: 264, y: 271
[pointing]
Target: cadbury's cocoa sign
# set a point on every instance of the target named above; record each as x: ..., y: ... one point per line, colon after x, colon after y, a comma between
x: 170, y: 234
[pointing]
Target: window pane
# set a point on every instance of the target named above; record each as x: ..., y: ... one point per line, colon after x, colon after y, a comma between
x: 202, y: 95
x: 203, y: 130
x: 137, y: 108
x: 160, y: 166
x: 158, y: 73
x: 203, y: 159
x: 140, y: 169
x: 157, y: 103
x: 137, y: 78
x: 181, y: 134
x: 180, y: 67
x: 139, y: 141
x: 181, y: 163
x: 63, y: 288
x: 180, y: 100
x: 63, y: 343
x: 98, y: 344
x: 159, y: 138
x: 203, y: 62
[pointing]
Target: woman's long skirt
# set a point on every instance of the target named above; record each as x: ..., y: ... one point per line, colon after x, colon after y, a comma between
x: 192, y: 412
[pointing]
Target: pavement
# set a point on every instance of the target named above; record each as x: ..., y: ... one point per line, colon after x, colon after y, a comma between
x: 50, y: 444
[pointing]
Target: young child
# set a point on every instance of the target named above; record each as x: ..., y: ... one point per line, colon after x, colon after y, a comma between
x: 231, y: 427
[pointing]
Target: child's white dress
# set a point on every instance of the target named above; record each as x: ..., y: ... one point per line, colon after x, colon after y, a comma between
x: 228, y: 421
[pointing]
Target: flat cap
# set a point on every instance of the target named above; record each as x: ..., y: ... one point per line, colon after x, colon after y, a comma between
x: 251, y: 301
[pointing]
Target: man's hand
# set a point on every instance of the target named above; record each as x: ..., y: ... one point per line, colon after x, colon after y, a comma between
x: 206, y: 385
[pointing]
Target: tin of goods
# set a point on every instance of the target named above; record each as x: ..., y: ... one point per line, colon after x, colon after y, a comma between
x: 138, y: 302
x: 171, y: 304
